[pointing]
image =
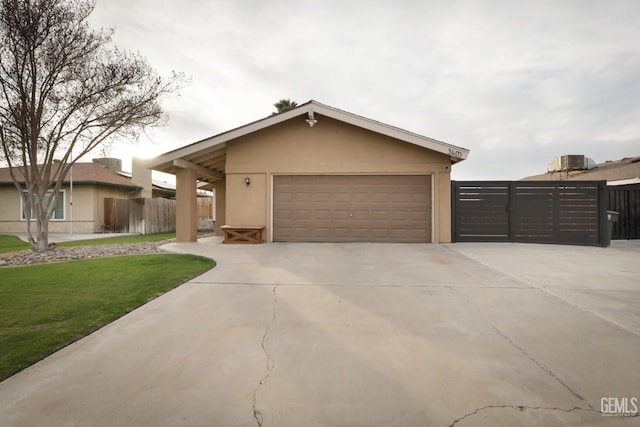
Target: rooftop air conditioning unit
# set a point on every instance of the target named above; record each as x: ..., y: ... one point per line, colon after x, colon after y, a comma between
x: 554, y: 164
x: 570, y: 162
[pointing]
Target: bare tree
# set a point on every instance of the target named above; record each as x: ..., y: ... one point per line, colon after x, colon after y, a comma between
x: 64, y: 92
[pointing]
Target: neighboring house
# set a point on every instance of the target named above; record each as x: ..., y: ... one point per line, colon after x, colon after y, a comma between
x: 319, y: 174
x: 623, y: 172
x: 623, y: 186
x: 82, y: 198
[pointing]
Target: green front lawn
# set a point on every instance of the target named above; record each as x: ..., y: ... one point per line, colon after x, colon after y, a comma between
x: 46, y: 307
x: 12, y: 244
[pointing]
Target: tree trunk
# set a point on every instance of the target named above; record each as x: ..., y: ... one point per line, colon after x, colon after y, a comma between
x: 40, y: 206
x: 42, y: 238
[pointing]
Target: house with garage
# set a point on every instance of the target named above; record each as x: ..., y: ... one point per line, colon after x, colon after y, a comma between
x: 316, y: 173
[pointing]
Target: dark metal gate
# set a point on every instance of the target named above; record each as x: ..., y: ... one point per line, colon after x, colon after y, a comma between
x: 627, y: 203
x: 529, y: 212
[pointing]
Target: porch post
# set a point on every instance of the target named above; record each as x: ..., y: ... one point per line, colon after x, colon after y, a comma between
x: 221, y: 206
x: 186, y: 206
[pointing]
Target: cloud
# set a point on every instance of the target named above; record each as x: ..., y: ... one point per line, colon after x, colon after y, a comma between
x: 515, y: 82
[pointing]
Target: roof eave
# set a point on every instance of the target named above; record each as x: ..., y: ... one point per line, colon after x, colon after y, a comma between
x: 165, y: 161
x: 456, y: 153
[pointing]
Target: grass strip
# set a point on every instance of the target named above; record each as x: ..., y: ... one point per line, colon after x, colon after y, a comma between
x: 9, y: 243
x: 134, y: 238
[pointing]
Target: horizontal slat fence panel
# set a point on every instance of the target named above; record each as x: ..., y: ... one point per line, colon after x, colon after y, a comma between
x: 481, y: 211
x: 528, y: 211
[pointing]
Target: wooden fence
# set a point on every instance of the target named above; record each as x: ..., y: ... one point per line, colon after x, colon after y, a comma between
x: 149, y: 216
x: 205, y: 213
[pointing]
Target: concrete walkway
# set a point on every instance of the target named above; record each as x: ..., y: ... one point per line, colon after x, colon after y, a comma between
x: 359, y: 335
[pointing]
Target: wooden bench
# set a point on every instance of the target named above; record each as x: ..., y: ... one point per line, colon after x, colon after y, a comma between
x: 246, y: 234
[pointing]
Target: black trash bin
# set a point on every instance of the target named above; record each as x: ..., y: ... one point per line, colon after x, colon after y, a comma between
x: 612, y: 216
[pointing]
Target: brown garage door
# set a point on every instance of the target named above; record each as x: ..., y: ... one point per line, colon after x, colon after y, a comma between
x: 339, y: 208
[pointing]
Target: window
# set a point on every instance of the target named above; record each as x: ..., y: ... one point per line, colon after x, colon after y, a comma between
x: 58, y: 209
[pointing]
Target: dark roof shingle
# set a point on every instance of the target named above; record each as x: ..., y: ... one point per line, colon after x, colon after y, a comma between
x: 84, y: 173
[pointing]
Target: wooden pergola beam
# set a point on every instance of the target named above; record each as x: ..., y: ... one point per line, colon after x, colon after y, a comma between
x: 185, y: 164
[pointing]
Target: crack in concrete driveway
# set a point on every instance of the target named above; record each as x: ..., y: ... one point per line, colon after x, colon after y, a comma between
x: 520, y: 408
x: 269, y: 363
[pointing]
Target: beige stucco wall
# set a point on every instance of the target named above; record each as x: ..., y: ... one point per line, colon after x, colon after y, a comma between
x: 141, y: 176
x: 10, y: 210
x: 88, y: 209
x: 331, y: 147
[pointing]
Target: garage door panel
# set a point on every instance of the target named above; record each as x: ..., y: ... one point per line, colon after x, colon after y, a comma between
x: 286, y: 214
x: 361, y: 197
x: 342, y: 197
x: 342, y: 232
x: 321, y: 233
x: 303, y: 214
x: 362, y: 233
x: 286, y: 232
x: 340, y: 214
x: 421, y: 198
x: 397, y: 216
x: 420, y: 215
x: 322, y: 214
x: 303, y: 197
x: 283, y: 197
x: 352, y: 208
x: 380, y: 198
x: 379, y: 215
x: 303, y: 230
x: 321, y: 197
x: 358, y: 215
x: 380, y: 233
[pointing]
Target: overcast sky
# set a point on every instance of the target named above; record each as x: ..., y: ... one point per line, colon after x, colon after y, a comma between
x: 516, y: 82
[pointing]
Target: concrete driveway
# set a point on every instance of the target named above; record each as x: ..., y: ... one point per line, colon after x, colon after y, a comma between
x: 360, y: 335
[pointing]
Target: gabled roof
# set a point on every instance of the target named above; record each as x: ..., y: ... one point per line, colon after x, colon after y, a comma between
x: 617, y: 170
x: 85, y: 174
x: 207, y: 156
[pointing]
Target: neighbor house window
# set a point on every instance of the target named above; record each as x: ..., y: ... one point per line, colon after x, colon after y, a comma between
x: 58, y: 209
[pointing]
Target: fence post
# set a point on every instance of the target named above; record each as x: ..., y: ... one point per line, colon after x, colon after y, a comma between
x: 602, y: 207
x: 454, y: 216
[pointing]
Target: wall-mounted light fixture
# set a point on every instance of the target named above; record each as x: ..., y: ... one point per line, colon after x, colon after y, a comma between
x: 311, y: 121
x: 247, y: 180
